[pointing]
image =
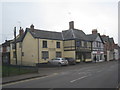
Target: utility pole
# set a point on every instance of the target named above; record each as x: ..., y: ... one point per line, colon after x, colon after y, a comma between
x: 15, y: 44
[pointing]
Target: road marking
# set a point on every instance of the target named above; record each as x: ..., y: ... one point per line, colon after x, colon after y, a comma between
x: 99, y: 71
x: 29, y: 80
x: 84, y: 73
x: 78, y: 79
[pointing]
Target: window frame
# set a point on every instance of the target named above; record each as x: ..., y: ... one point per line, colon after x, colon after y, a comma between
x: 46, y: 56
x: 57, y: 44
x: 58, y: 54
x: 44, y: 45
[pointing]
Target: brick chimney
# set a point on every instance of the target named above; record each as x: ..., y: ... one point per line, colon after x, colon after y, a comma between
x: 94, y: 31
x: 71, y: 25
x: 103, y: 35
x: 21, y: 31
x: 32, y: 28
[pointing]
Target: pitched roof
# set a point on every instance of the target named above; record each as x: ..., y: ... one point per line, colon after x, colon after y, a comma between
x: 74, y: 34
x: 111, y: 40
x: 6, y: 43
x: 19, y: 38
x: 105, y: 38
x: 92, y: 37
x: 45, y: 34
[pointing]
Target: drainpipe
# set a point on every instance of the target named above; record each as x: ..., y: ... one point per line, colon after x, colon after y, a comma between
x: 91, y: 50
x: 38, y: 51
x: 21, y: 53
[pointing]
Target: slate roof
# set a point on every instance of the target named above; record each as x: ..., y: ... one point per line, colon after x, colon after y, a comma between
x: 6, y: 43
x: 92, y: 37
x: 74, y: 34
x: 42, y: 34
x: 19, y: 39
x: 70, y: 34
x: 105, y: 38
x: 111, y: 40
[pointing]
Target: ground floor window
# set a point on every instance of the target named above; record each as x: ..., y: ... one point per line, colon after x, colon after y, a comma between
x: 101, y: 56
x: 88, y: 55
x: 58, y: 54
x: 78, y: 55
x: 45, y: 55
x: 98, y: 57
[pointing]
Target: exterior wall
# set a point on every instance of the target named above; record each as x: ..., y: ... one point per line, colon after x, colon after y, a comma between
x: 110, y: 55
x: 116, y: 54
x: 69, y: 54
x: 69, y: 48
x: 51, y: 48
x: 12, y: 60
x: 19, y: 55
x: 69, y: 45
x: 30, y: 50
x: 80, y: 50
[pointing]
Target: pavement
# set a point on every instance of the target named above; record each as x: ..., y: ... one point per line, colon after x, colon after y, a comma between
x: 43, y: 72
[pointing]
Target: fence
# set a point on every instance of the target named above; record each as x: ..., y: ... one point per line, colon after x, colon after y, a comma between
x: 12, y: 70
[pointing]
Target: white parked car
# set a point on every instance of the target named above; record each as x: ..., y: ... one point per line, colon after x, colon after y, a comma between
x: 58, y: 61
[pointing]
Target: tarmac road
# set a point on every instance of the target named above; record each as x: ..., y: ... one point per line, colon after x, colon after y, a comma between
x: 88, y: 75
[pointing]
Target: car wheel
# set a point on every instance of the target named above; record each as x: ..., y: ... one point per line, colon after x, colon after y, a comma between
x: 48, y: 62
x: 74, y: 63
x: 59, y: 64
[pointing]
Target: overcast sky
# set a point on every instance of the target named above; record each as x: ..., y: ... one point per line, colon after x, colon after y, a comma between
x: 54, y: 15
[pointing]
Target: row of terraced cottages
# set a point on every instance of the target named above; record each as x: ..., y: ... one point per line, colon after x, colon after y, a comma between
x: 38, y: 46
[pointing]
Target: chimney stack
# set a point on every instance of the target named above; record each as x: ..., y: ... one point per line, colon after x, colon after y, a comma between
x: 94, y: 31
x: 32, y: 28
x: 21, y: 31
x: 71, y: 25
x: 103, y: 35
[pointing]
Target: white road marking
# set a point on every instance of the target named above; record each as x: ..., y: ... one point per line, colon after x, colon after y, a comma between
x: 29, y: 79
x: 78, y: 79
x: 84, y: 73
x: 99, y: 71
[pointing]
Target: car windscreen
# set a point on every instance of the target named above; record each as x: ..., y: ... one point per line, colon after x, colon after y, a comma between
x: 57, y: 59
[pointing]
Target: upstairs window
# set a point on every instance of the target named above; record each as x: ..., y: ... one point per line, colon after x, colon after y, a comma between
x: 85, y: 44
x: 44, y: 44
x: 82, y: 42
x: 58, y: 44
x: 78, y: 43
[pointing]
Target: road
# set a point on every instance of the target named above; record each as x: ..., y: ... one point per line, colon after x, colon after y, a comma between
x: 88, y: 75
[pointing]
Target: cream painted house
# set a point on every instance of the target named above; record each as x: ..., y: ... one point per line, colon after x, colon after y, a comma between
x: 36, y: 46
